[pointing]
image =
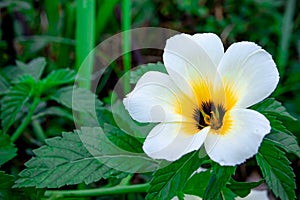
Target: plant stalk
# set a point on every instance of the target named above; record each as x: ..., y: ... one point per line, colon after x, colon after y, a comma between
x: 119, y: 189
x: 27, y: 119
x: 126, y: 44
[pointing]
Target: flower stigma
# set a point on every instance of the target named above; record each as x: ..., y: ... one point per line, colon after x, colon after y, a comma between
x: 209, y: 115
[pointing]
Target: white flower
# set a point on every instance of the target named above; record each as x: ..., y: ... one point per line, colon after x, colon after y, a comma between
x: 204, y: 99
x: 253, y: 195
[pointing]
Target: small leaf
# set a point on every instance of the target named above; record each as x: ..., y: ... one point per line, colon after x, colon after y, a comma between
x: 169, y: 181
x: 272, y: 107
x: 7, y: 149
x: 58, y: 77
x: 218, y: 180
x: 242, y: 189
x: 122, y: 139
x: 64, y: 161
x: 142, y: 69
x: 276, y: 171
x: 15, y: 99
x: 34, y: 68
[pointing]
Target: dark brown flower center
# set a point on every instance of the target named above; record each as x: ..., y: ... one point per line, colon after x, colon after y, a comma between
x: 209, y: 114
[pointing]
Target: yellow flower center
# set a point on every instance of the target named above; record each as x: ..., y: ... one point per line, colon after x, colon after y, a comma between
x: 210, y: 108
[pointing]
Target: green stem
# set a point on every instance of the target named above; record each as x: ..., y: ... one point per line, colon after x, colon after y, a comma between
x: 98, y: 191
x: 27, y: 119
x: 126, y: 45
x: 38, y: 130
x: 85, y: 35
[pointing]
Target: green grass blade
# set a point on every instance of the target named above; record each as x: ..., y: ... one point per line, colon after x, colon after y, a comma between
x: 126, y: 24
x: 85, y: 30
x: 286, y: 32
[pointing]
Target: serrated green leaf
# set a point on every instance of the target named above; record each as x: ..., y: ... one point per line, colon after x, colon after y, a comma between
x: 81, y: 100
x: 58, y: 77
x: 55, y: 110
x: 197, y: 184
x: 113, y: 156
x: 15, y: 99
x: 4, y: 85
x: 242, y: 189
x: 6, y: 183
x: 34, y: 68
x: 125, y: 122
x: 9, y: 193
x: 122, y: 139
x: 169, y: 181
x: 277, y: 125
x: 272, y: 107
x: 287, y: 142
x: 218, y: 180
x: 7, y: 149
x: 142, y: 69
x: 78, y: 99
x: 64, y: 161
x: 276, y: 170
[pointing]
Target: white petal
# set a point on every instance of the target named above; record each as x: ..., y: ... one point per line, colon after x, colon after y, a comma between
x: 241, y: 141
x: 187, y: 62
x: 212, y: 45
x: 154, y: 99
x: 188, y: 197
x: 255, y: 195
x: 250, y: 71
x: 170, y: 141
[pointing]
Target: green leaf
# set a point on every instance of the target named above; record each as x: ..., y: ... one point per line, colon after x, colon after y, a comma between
x: 197, y: 184
x: 55, y: 110
x: 170, y: 181
x: 122, y: 139
x: 126, y: 123
x: 34, y: 68
x: 113, y: 156
x: 58, y: 77
x: 282, y: 137
x: 7, y: 149
x: 4, y: 85
x: 6, y: 183
x: 64, y: 161
x: 276, y: 171
x: 78, y: 99
x: 9, y: 193
x: 15, y: 99
x: 218, y: 180
x: 287, y: 142
x: 272, y: 107
x: 142, y: 69
x: 242, y: 189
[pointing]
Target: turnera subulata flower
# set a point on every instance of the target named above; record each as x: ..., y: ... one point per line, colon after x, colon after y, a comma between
x: 204, y: 99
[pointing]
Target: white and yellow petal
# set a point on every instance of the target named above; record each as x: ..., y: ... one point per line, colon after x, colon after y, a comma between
x: 154, y: 99
x: 188, y: 63
x: 170, y: 141
x: 250, y: 72
x: 241, y: 140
